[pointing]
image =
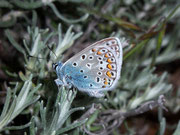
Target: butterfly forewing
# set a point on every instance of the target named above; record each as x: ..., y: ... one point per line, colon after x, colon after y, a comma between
x: 97, y: 67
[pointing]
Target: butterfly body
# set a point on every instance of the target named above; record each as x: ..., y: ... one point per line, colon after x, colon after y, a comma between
x: 93, y: 70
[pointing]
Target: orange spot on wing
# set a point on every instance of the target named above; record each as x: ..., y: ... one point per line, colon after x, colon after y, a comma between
x: 106, y: 55
x: 105, y: 81
x: 108, y: 74
x: 99, y: 53
x: 93, y: 50
x: 109, y: 61
x: 109, y: 66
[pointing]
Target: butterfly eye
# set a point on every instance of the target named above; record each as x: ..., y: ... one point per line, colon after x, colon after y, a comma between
x: 74, y: 64
x: 90, y: 85
x: 54, y: 65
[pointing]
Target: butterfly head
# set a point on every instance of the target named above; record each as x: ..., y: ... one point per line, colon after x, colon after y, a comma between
x: 55, y: 66
x: 62, y: 79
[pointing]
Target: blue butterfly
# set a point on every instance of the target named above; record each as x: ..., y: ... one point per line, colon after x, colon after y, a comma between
x: 94, y: 70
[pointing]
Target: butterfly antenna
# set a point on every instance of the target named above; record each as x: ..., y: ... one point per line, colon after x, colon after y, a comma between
x: 29, y: 56
x: 51, y: 50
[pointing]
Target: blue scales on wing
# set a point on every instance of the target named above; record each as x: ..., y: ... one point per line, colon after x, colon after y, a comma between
x: 96, y: 68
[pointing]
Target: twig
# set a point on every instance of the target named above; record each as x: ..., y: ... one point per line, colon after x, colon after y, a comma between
x: 112, y: 119
x: 90, y: 111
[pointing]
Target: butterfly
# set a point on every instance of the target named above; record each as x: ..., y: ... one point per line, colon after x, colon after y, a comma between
x: 94, y: 70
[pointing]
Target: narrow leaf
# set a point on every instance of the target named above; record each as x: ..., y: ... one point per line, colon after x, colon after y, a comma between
x: 136, y: 48
x: 17, y: 127
x: 58, y: 14
x: 13, y: 42
x: 177, y: 131
x: 6, y: 105
x: 162, y: 127
x: 72, y: 126
x: 158, y: 46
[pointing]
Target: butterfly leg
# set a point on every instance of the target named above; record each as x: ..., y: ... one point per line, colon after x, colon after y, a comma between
x: 96, y: 94
x: 58, y: 82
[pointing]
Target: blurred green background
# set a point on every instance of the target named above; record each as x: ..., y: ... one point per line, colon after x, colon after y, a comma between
x: 31, y: 103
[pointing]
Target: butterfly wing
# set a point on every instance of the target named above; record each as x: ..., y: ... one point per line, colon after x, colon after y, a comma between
x: 97, y: 67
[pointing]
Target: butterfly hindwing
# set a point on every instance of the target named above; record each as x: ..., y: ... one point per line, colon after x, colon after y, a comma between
x: 97, y: 67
